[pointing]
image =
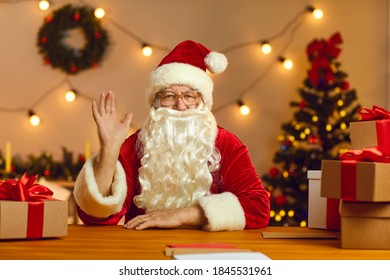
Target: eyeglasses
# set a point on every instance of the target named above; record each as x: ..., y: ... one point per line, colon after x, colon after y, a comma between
x: 170, y: 98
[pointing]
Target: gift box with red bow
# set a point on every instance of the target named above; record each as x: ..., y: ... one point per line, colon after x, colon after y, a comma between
x: 323, y: 212
x: 359, y: 175
x: 373, y: 130
x: 28, y: 211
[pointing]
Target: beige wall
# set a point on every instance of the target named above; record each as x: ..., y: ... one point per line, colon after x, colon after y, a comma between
x: 218, y: 24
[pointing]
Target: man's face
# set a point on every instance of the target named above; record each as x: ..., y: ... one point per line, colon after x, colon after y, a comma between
x: 178, y: 97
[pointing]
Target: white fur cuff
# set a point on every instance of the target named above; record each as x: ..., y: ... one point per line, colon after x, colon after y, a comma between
x: 223, y: 211
x: 88, y: 197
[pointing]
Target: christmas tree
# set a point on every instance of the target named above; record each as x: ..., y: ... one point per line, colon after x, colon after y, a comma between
x: 318, y: 130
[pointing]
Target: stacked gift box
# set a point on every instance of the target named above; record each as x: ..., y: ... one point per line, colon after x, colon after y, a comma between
x: 28, y: 210
x: 361, y: 180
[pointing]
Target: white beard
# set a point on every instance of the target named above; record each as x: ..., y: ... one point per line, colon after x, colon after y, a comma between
x: 178, y: 155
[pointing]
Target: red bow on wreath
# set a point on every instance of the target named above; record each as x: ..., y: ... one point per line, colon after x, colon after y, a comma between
x: 24, y: 190
x: 320, y: 53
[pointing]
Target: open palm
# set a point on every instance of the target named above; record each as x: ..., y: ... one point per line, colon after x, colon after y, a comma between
x: 112, y: 131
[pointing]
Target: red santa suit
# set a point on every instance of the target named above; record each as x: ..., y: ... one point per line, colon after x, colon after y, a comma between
x: 237, y: 198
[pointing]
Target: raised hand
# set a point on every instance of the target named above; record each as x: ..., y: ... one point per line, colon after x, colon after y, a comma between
x: 112, y: 132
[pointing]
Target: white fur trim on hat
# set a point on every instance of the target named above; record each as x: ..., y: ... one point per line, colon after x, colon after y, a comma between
x: 216, y: 62
x: 223, y: 212
x: 88, y: 197
x: 182, y: 74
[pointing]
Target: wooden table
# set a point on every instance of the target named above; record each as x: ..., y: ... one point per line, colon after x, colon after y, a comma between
x: 117, y: 243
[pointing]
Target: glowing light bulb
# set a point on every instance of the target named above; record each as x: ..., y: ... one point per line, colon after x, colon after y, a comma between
x: 343, y: 113
x: 290, y: 213
x: 317, y: 13
x: 266, y: 47
x: 303, y: 223
x: 278, y: 218
x: 147, y: 50
x: 282, y: 213
x: 43, y: 5
x: 99, y: 13
x: 244, y: 109
x: 34, y: 118
x: 70, y: 95
x: 272, y: 213
x: 343, y: 126
x: 340, y: 102
x: 328, y: 127
x: 287, y: 63
x: 314, y: 118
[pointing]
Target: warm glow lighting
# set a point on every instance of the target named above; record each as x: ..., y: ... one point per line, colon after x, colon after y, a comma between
x: 266, y: 47
x: 302, y: 135
x: 244, y: 110
x: 290, y: 213
x: 282, y: 213
x: 328, y: 127
x: 278, y: 218
x: 291, y: 138
x: 307, y: 130
x: 44, y: 5
x: 272, y: 213
x: 34, y: 119
x: 314, y: 118
x: 99, y: 12
x: 303, y: 223
x: 317, y: 13
x: 70, y: 95
x: 343, y: 113
x: 287, y: 63
x: 285, y: 174
x: 340, y: 102
x: 147, y: 50
x: 343, y: 126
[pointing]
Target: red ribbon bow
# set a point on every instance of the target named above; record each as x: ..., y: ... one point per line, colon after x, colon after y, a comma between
x: 321, y: 52
x: 376, y: 113
x: 24, y: 190
x: 368, y: 155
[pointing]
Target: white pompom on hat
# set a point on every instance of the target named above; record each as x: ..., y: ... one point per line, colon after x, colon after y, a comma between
x: 186, y: 65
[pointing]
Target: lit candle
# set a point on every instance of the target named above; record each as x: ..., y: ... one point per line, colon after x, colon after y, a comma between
x: 87, y: 150
x: 8, y: 157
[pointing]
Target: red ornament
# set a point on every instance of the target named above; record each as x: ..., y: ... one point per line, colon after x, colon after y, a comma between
x: 280, y: 200
x: 273, y: 172
x: 73, y: 69
x: 97, y: 35
x: 314, y: 139
x: 287, y: 143
x: 76, y: 17
x: 94, y: 65
x: 43, y: 40
x: 344, y: 85
x: 302, y: 104
x: 46, y: 172
x: 46, y: 61
x: 81, y: 158
x: 49, y: 19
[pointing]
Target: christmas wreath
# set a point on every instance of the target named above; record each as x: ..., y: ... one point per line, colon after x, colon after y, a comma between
x: 60, y: 55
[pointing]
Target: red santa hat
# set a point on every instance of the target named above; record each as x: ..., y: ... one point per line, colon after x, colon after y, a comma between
x: 186, y: 65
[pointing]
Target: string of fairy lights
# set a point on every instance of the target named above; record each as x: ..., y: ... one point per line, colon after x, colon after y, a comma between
x: 147, y: 49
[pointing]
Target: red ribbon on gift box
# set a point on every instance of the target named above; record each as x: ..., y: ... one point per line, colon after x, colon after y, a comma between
x: 332, y: 214
x: 24, y: 189
x: 349, y: 160
x: 382, y: 121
